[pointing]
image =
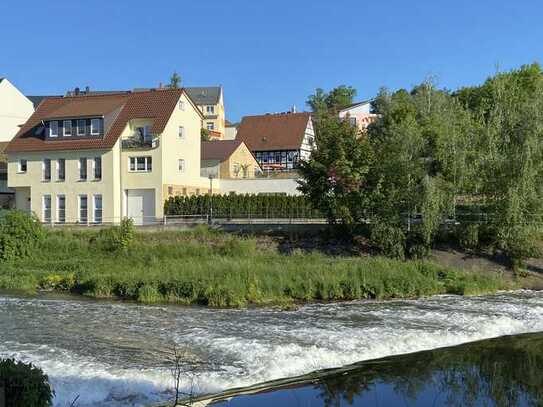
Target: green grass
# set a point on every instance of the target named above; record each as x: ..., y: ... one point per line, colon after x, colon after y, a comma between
x: 221, y: 270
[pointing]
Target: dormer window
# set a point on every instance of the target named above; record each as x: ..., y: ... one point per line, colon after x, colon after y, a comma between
x: 81, y: 127
x: 53, y: 128
x: 210, y: 109
x: 67, y: 126
x: 95, y: 127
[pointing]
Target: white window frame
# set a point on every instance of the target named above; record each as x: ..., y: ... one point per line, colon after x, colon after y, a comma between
x: 210, y: 126
x: 92, y: 129
x: 181, y: 165
x: 94, y: 161
x: 20, y: 166
x: 181, y: 132
x: 51, y: 134
x: 79, y: 133
x: 182, y: 105
x: 148, y: 168
x: 64, y: 133
x: 210, y: 109
x: 43, y: 208
x: 79, y: 208
x: 94, y: 208
x: 43, y: 165
x: 61, y: 219
x: 80, y: 167
x: 58, y: 169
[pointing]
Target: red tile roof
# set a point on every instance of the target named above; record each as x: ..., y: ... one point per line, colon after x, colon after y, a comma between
x: 284, y: 131
x: 153, y: 104
x: 220, y: 149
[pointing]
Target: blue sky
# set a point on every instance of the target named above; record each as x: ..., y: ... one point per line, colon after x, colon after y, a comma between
x: 268, y: 55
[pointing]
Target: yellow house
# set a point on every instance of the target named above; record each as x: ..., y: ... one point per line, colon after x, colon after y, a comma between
x: 210, y: 101
x: 99, y: 158
x: 227, y: 159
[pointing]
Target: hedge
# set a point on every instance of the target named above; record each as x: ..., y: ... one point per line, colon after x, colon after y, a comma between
x: 242, y: 206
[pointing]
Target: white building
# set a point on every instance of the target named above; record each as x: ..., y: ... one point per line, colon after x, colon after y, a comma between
x: 15, y: 109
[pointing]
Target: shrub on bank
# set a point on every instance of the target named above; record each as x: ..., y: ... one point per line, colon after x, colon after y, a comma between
x: 20, y: 234
x: 24, y: 385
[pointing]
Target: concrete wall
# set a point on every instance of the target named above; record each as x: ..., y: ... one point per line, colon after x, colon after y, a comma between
x: 259, y: 185
x: 15, y: 109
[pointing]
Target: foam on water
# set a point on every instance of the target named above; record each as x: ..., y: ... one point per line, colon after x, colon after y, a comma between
x: 113, y: 354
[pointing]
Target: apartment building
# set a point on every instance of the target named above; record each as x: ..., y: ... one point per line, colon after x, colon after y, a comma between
x: 98, y: 158
x: 210, y: 101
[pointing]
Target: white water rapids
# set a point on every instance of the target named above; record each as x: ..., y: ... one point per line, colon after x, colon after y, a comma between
x: 114, y: 354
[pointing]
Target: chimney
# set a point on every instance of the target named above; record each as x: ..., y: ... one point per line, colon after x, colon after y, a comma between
x: 76, y: 91
x: 87, y: 90
x: 293, y: 109
x: 160, y: 85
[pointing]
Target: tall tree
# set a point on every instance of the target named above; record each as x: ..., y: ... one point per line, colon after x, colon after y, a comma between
x: 338, y: 98
x: 175, y: 81
x: 334, y: 178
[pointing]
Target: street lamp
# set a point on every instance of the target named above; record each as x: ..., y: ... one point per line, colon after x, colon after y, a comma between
x: 210, y: 217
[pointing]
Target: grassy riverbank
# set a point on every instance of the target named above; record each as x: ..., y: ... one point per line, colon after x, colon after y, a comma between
x: 222, y: 270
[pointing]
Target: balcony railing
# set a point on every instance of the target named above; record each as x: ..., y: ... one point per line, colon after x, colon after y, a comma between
x: 138, y: 142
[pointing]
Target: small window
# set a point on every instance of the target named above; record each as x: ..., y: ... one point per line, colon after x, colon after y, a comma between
x: 83, y: 209
x: 145, y: 133
x: 53, y: 128
x: 46, y: 167
x: 181, y: 132
x: 61, y: 169
x: 141, y: 164
x: 97, y: 209
x: 22, y: 166
x: 181, y: 105
x: 61, y: 209
x: 210, y: 126
x: 197, y: 191
x: 83, y: 169
x: 97, y: 168
x: 210, y: 109
x: 95, y: 127
x: 81, y: 127
x: 352, y: 121
x: 181, y: 165
x: 47, y: 208
x: 67, y: 128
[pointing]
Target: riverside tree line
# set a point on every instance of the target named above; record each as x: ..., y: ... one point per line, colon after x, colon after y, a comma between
x: 437, y: 164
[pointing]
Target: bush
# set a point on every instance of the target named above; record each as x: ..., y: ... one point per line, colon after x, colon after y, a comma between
x: 117, y: 238
x: 25, y: 385
x: 20, y: 234
x: 468, y: 236
x: 389, y: 240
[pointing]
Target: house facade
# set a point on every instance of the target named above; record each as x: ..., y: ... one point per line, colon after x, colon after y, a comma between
x: 278, y: 141
x: 227, y: 159
x: 99, y: 158
x: 15, y: 109
x: 359, y: 114
x: 210, y: 101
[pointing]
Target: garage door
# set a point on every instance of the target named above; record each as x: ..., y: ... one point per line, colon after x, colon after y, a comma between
x: 140, y: 205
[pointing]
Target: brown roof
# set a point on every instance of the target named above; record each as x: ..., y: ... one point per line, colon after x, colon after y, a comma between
x: 284, y: 131
x: 220, y: 149
x: 157, y: 105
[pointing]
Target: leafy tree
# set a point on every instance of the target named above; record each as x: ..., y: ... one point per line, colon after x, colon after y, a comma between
x: 175, y: 81
x: 20, y: 233
x: 24, y: 385
x: 334, y: 178
x: 335, y: 100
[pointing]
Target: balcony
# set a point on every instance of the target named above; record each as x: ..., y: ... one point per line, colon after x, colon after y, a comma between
x: 138, y: 142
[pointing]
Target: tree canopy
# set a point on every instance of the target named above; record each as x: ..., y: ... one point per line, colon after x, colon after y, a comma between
x: 472, y: 158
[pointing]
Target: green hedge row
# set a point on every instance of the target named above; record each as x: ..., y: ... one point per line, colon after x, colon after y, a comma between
x: 236, y: 206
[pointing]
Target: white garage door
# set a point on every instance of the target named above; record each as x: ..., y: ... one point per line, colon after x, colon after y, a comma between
x: 140, y: 205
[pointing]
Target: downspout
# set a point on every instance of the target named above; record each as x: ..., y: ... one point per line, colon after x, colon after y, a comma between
x: 121, y: 195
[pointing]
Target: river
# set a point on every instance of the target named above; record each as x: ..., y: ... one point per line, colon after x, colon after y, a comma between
x: 116, y: 354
